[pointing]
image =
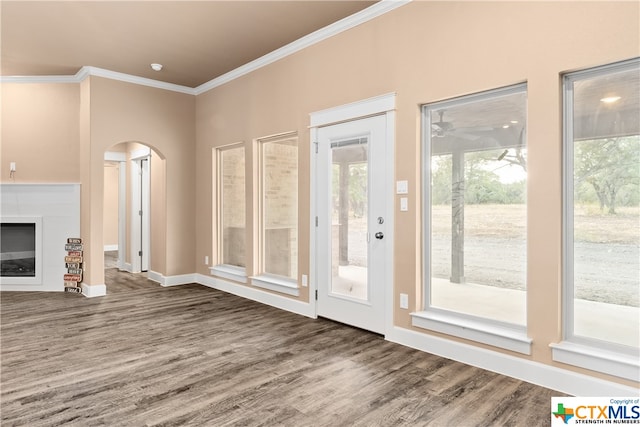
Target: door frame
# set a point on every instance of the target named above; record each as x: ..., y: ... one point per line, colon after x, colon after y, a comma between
x: 379, y: 105
x: 121, y: 158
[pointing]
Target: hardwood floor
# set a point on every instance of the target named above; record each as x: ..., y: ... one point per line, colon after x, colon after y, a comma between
x: 188, y: 355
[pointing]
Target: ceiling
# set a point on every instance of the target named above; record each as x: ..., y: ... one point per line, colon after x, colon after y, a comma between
x: 196, y: 41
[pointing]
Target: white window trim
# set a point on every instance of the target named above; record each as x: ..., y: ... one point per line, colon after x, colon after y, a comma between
x: 597, y: 359
x: 276, y: 283
x: 579, y: 351
x: 487, y: 331
x: 230, y: 272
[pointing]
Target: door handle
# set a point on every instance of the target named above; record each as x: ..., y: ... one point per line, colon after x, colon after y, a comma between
x: 379, y: 235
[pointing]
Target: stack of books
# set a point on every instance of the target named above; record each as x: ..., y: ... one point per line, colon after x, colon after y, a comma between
x: 73, y: 264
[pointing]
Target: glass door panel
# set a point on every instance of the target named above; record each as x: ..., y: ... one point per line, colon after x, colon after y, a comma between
x: 349, y: 222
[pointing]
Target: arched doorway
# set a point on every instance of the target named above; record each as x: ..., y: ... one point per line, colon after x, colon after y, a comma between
x: 134, y: 206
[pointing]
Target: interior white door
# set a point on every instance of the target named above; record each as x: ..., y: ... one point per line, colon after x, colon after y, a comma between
x: 350, y: 204
x: 140, y: 214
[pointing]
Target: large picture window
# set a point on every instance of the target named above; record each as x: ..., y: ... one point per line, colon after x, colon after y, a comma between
x: 278, y: 202
x: 280, y: 206
x: 602, y: 208
x: 231, y: 208
x: 475, y: 178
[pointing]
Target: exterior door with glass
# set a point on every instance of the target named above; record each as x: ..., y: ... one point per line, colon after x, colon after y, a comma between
x: 351, y: 242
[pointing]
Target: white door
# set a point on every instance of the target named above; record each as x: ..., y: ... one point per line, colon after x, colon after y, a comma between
x: 351, y: 225
x: 140, y: 218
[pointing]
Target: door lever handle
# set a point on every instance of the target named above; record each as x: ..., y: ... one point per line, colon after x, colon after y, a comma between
x: 379, y: 235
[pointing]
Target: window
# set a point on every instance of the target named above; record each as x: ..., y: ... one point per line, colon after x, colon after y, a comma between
x: 278, y: 160
x: 602, y: 213
x: 231, y: 212
x: 475, y: 176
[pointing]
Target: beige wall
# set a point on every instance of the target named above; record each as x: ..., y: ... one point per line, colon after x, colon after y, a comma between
x: 60, y: 132
x: 429, y: 51
x: 40, y: 132
x: 162, y: 120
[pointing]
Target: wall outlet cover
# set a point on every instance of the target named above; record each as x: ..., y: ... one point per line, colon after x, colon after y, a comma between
x: 404, y: 301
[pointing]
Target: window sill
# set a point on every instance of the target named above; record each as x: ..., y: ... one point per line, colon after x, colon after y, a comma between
x: 278, y: 284
x: 596, y: 359
x: 231, y: 272
x: 509, y: 338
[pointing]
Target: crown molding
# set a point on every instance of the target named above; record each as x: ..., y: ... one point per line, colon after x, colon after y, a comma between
x: 143, y: 81
x: 39, y: 79
x: 329, y: 31
x: 87, y: 71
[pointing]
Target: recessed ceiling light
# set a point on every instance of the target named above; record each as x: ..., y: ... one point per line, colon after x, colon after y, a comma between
x: 514, y: 121
x: 505, y: 127
x: 610, y: 99
x: 156, y: 67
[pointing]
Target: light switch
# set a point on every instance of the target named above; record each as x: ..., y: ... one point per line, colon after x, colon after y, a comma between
x: 404, y: 204
x: 305, y: 280
x: 402, y: 187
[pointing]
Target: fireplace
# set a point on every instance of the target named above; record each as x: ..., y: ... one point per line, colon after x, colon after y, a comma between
x: 35, y: 222
x: 21, y: 249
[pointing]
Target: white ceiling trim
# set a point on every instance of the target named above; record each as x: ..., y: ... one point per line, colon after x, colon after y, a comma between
x: 329, y: 31
x: 143, y: 81
x: 87, y: 71
x: 39, y: 79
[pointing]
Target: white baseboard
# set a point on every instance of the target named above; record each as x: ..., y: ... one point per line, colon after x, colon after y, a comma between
x: 128, y: 267
x: 108, y: 248
x: 552, y: 377
x: 268, y: 298
x: 91, y: 291
x: 181, y: 279
x: 532, y: 372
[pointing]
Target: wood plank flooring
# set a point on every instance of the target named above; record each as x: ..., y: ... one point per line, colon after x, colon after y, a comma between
x: 188, y: 355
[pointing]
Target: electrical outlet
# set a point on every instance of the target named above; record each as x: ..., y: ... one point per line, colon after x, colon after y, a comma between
x: 404, y: 301
x: 305, y: 280
x: 12, y: 167
x: 206, y: 260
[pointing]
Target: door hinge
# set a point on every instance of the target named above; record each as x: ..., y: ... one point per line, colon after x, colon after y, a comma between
x: 316, y: 295
x: 140, y: 212
x: 316, y: 143
x: 316, y: 221
x: 139, y: 253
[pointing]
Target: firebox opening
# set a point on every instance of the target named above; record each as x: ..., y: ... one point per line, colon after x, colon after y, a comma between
x: 18, y: 249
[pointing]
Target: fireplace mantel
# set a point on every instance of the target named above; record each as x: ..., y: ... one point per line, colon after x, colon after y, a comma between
x: 57, y: 206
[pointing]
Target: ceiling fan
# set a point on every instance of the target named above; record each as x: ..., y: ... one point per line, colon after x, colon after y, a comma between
x: 440, y: 127
x: 443, y: 128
